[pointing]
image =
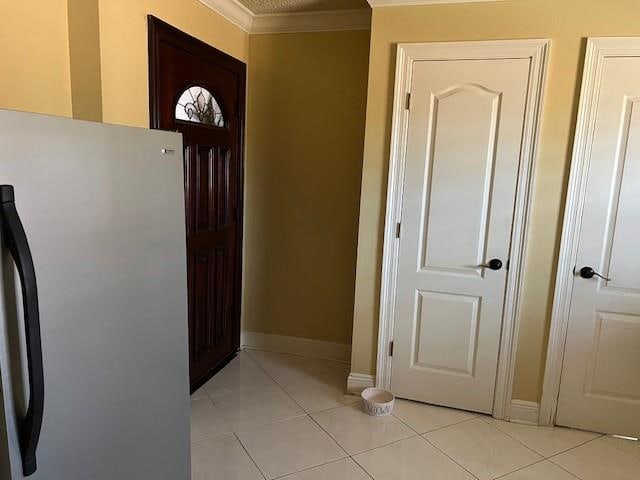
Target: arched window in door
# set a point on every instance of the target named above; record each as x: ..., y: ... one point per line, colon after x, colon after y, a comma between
x: 198, y: 105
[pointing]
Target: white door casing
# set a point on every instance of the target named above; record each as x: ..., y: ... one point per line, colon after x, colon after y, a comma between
x: 597, y: 321
x: 459, y: 180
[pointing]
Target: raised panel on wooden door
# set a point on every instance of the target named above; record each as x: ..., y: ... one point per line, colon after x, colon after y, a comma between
x: 208, y: 170
x: 209, y: 292
x: 446, y: 332
x: 459, y: 178
x: 614, y: 349
x: 623, y: 215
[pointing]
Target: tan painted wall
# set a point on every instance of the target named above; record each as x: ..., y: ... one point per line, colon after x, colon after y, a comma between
x: 123, y: 48
x: 567, y: 23
x: 84, y: 57
x: 306, y: 109
x: 34, y: 56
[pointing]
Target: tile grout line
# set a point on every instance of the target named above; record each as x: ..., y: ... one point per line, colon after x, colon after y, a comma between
x: 309, y: 415
x: 279, y: 384
x: 224, y: 419
x: 542, y: 457
x: 197, y: 442
x: 287, y: 391
x: 562, y: 468
x: 249, y: 455
x: 574, y: 447
x: 314, y: 466
x: 330, y: 436
x: 282, y: 387
x: 254, y: 349
x: 369, y: 450
x: 329, y: 369
x: 448, y: 456
x: 550, y: 459
x: 235, y: 433
x: 303, y: 414
x: 229, y: 432
x: 539, y: 453
x: 515, y: 439
x: 436, y: 429
x: 239, y: 390
x: 327, y: 409
x: 355, y: 460
x: 362, y: 468
x: 240, y: 430
x: 405, y: 423
x: 315, y: 376
x: 277, y: 422
x: 528, y: 466
x: 257, y: 388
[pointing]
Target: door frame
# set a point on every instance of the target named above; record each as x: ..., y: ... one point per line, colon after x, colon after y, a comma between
x: 159, y: 31
x: 407, y: 53
x: 598, y: 49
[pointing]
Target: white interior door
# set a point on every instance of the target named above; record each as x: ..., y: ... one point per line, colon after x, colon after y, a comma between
x: 463, y: 151
x: 600, y: 383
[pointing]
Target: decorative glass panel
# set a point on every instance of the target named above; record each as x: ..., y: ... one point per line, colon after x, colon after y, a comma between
x: 197, y: 105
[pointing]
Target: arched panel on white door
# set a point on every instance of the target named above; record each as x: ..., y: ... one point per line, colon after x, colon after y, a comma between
x: 459, y: 173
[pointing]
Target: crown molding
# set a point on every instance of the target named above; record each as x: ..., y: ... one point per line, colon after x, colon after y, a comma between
x: 312, y: 21
x: 233, y: 11
x: 334, y: 20
x: 404, y: 3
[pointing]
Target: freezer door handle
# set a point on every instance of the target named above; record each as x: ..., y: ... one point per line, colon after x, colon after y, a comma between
x: 16, y: 241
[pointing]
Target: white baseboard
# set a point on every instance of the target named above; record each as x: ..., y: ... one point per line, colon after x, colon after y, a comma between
x: 296, y: 346
x: 359, y: 381
x: 524, y: 412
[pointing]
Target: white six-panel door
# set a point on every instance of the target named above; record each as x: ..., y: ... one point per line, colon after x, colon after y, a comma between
x: 463, y: 150
x: 600, y: 383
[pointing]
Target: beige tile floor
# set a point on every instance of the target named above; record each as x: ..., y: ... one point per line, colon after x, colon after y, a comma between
x: 269, y: 415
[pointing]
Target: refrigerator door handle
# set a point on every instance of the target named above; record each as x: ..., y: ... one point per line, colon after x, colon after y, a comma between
x: 16, y: 241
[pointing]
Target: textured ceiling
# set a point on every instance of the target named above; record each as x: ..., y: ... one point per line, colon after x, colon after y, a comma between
x: 285, y: 6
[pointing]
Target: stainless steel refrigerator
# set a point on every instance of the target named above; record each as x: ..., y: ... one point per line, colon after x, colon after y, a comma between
x: 93, y: 304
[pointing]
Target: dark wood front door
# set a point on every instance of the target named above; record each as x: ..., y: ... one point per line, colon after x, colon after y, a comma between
x: 199, y: 91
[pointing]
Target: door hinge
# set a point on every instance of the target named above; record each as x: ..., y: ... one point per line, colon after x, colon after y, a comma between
x: 408, y: 101
x: 391, y: 348
x: 398, y: 227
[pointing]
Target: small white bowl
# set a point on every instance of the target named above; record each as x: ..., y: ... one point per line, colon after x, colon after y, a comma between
x: 377, y: 402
